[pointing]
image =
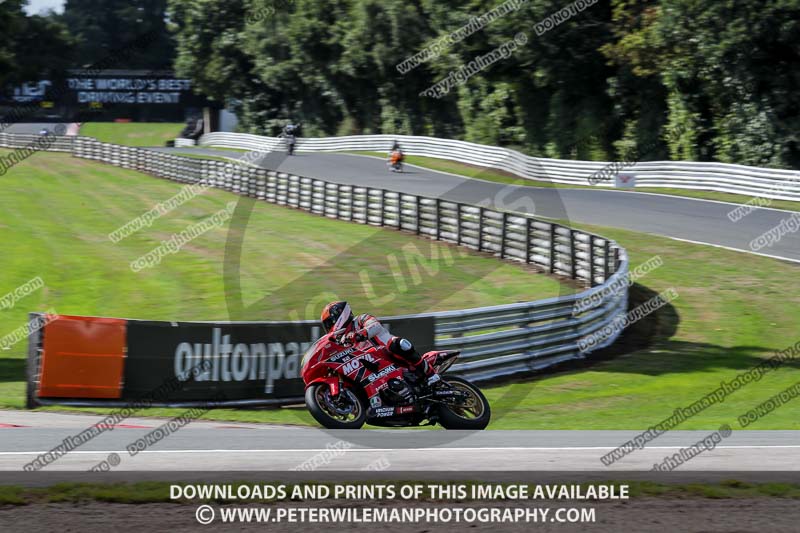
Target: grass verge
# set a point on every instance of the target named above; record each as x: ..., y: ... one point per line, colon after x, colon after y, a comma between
x: 133, y: 133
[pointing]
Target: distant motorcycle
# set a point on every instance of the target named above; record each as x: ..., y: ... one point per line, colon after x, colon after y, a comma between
x: 290, y: 141
x: 289, y: 135
x: 347, y: 387
x: 396, y: 161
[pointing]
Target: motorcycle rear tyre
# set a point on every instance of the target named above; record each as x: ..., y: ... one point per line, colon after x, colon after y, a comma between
x: 450, y: 420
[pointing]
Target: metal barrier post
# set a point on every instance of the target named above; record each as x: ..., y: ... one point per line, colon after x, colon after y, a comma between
x: 573, y: 262
x: 503, y: 235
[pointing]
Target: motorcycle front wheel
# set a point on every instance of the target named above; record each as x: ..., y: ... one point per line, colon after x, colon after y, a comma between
x: 345, y: 411
x: 474, y: 413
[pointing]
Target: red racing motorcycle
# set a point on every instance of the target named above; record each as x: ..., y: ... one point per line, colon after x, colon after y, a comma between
x: 347, y: 387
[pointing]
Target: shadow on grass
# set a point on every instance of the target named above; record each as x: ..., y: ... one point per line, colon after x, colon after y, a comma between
x: 666, y: 356
x: 655, y: 353
x: 657, y: 327
x: 12, y: 370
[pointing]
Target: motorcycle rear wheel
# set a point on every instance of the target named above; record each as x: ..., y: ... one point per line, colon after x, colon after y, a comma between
x: 323, y: 408
x: 475, y: 414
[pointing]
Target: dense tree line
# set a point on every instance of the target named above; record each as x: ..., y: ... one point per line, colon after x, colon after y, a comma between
x: 31, y: 46
x: 617, y: 79
x: 86, y: 33
x: 100, y: 28
x: 654, y: 79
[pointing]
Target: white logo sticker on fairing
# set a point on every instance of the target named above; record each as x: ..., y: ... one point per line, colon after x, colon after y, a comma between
x: 383, y: 373
x: 350, y: 367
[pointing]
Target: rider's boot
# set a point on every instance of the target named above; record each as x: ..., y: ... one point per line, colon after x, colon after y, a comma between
x: 427, y: 373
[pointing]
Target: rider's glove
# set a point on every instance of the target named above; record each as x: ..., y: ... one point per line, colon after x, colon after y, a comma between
x: 354, y: 337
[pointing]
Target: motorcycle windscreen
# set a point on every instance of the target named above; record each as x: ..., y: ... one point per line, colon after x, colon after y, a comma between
x: 311, y: 351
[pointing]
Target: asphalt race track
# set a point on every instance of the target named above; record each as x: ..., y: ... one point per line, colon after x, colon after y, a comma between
x: 33, y: 128
x: 223, y: 446
x: 700, y: 221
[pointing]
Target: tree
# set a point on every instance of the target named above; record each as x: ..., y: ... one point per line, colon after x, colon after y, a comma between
x: 32, y: 46
x: 100, y: 31
x: 11, y: 20
x: 727, y: 72
x: 685, y: 79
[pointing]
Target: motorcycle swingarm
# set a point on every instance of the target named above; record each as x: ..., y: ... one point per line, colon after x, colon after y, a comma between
x: 440, y: 396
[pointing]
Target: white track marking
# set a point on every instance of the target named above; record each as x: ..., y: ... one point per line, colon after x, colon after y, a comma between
x: 391, y: 450
x: 778, y: 257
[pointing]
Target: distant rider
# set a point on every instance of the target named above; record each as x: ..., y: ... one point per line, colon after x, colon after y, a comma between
x: 366, y: 328
x: 290, y: 133
x: 396, y: 156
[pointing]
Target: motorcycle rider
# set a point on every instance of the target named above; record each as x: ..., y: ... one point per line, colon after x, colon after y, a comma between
x: 395, y: 157
x: 290, y: 134
x: 337, y: 316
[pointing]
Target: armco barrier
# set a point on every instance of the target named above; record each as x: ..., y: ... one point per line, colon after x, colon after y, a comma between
x: 721, y: 177
x: 184, y: 143
x: 58, y: 143
x: 495, y: 341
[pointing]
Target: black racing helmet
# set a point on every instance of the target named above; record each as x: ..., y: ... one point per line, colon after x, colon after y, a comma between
x: 335, y: 316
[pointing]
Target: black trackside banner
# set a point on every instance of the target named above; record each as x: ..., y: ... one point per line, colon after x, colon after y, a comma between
x: 235, y: 360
